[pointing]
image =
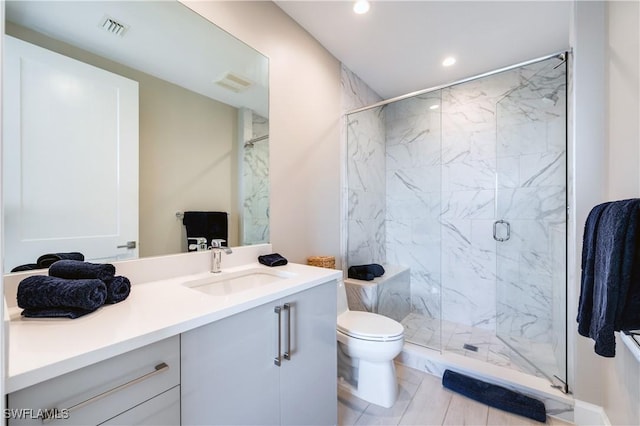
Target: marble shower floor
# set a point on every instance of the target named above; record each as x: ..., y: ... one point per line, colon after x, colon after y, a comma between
x: 422, y: 330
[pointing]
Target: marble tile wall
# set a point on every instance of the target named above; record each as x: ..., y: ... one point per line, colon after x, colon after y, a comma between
x: 255, y: 181
x: 429, y: 175
x: 365, y: 188
x: 413, y: 202
x: 531, y: 187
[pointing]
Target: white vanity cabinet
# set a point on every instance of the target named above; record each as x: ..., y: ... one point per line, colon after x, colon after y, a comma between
x: 140, y: 387
x: 230, y: 371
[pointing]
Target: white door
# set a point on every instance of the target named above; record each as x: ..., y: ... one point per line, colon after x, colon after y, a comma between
x: 70, y: 160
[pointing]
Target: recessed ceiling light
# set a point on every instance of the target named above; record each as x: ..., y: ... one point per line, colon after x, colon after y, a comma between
x: 361, y: 6
x: 448, y: 61
x: 434, y: 106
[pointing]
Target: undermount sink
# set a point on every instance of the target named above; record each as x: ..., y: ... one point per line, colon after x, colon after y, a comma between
x: 228, y: 283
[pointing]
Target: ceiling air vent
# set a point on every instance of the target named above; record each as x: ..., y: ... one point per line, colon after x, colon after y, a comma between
x: 112, y: 26
x: 234, y: 82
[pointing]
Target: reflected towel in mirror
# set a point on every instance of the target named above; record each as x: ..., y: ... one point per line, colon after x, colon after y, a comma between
x: 210, y: 225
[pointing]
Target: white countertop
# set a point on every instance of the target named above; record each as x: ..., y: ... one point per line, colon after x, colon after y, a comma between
x: 40, y: 349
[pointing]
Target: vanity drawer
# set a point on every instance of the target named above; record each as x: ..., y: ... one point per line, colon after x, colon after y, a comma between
x: 99, y: 392
x: 161, y: 410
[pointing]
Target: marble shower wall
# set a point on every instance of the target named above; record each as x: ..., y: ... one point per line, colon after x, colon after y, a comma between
x: 532, y: 191
x: 413, y: 202
x: 255, y: 181
x: 364, y: 189
x: 435, y: 160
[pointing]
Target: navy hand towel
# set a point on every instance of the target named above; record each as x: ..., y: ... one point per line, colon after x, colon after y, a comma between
x: 48, y: 259
x: 44, y: 292
x: 273, y: 259
x: 360, y: 273
x: 210, y: 225
x: 74, y: 269
x: 365, y: 272
x: 118, y: 289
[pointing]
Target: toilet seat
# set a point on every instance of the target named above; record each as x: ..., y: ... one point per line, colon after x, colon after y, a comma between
x: 369, y: 326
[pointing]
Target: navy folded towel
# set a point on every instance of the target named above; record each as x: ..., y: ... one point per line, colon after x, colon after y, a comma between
x: 48, y: 259
x: 26, y: 267
x: 273, y: 259
x: 74, y: 269
x: 118, y: 289
x: 495, y: 396
x: 365, y: 272
x: 40, y: 293
x: 71, y: 313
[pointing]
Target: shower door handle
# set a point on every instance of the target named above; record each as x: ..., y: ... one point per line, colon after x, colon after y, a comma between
x: 495, y: 230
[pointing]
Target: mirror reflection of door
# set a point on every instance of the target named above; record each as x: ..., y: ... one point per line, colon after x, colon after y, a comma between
x: 55, y: 199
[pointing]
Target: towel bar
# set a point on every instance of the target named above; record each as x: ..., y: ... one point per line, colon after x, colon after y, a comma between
x: 180, y: 215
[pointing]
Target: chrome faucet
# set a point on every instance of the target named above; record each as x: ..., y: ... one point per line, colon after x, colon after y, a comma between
x: 216, y: 254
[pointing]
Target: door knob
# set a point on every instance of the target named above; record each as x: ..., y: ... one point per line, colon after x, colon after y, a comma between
x: 129, y: 245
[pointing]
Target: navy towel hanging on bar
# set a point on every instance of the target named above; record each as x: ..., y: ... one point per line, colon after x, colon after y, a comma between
x: 610, y: 282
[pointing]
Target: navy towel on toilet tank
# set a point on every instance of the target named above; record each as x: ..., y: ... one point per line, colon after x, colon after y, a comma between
x: 210, y: 225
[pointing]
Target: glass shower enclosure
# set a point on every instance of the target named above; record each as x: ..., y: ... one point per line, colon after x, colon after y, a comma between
x: 466, y: 186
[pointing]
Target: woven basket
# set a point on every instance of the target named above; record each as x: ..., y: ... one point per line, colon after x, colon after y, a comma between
x: 322, y: 261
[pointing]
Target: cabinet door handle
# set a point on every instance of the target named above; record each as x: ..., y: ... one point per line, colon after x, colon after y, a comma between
x: 278, y: 359
x: 287, y: 353
x: 160, y: 368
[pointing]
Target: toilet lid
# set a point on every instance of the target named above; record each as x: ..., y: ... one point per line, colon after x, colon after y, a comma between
x: 369, y: 326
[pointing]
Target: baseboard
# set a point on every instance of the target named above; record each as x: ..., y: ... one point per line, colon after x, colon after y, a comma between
x: 589, y: 414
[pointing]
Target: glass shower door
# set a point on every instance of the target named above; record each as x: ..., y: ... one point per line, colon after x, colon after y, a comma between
x: 530, y: 225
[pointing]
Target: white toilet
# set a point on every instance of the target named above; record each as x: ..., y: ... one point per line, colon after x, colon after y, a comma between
x: 371, y: 342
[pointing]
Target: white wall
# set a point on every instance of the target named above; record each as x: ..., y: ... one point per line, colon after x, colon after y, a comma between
x: 606, y: 151
x: 304, y: 125
x: 623, y: 81
x: 587, y: 151
x: 621, y: 387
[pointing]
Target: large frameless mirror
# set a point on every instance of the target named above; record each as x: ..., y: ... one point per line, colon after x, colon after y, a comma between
x: 118, y: 117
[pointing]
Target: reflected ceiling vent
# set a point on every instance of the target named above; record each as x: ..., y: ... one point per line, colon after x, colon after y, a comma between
x: 234, y: 82
x: 113, y: 26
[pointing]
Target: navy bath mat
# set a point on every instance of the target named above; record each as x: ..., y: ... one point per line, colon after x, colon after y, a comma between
x: 495, y: 396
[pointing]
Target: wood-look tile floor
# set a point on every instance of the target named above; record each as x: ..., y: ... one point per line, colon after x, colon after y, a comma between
x: 422, y: 401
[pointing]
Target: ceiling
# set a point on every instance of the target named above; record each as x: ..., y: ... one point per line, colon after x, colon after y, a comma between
x: 398, y: 46
x: 162, y: 38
